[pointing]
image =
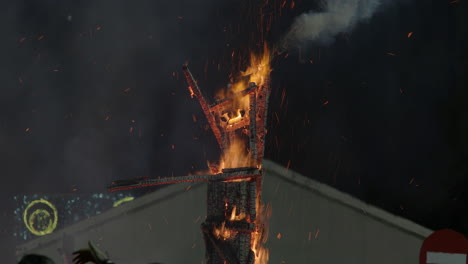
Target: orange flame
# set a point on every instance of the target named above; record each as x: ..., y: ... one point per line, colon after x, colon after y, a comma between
x: 236, y: 118
x: 236, y: 153
x: 260, y: 235
x: 259, y: 68
x: 237, y: 217
x: 223, y: 232
x: 192, y: 94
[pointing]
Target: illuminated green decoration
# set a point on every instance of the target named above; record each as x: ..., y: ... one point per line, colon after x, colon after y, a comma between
x: 123, y: 200
x: 41, y: 222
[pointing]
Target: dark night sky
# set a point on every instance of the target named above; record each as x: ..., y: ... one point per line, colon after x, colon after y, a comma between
x: 393, y: 131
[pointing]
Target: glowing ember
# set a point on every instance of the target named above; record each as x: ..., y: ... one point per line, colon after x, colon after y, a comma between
x: 192, y: 94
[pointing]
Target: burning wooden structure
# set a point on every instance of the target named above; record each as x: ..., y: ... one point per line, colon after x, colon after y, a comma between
x: 234, y: 227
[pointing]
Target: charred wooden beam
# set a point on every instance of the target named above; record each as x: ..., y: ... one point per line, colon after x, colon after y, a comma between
x: 195, y: 91
x: 226, y: 176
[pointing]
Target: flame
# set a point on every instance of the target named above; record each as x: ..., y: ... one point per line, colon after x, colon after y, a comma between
x: 239, y: 180
x: 236, y: 154
x: 223, y: 232
x: 259, y: 68
x: 192, y: 94
x: 236, y: 118
x: 260, y: 235
x: 237, y: 217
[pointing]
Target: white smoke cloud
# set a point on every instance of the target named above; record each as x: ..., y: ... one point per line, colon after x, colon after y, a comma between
x: 339, y: 16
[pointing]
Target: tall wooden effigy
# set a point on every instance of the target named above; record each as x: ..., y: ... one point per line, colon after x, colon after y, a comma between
x: 233, y: 195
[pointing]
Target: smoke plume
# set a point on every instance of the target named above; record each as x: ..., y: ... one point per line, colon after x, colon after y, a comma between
x: 338, y: 16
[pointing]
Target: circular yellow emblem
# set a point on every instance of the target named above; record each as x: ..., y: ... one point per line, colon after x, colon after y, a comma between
x: 40, y: 217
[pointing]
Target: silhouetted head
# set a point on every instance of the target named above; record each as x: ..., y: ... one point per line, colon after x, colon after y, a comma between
x: 35, y: 259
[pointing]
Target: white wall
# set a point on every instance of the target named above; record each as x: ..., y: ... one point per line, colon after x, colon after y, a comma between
x: 348, y: 230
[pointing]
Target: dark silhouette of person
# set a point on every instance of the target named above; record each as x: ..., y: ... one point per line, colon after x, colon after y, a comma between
x: 90, y: 254
x: 94, y: 255
x: 35, y: 259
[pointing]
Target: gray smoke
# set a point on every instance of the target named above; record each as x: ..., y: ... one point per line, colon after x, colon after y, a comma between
x: 339, y: 16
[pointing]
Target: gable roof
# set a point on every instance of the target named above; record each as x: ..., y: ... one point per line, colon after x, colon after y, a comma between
x: 330, y: 193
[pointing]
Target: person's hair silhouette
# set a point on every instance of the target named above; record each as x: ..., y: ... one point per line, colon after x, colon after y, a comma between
x: 35, y: 259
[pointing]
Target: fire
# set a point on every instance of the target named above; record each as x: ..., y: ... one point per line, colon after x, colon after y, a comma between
x: 192, y: 94
x: 223, y: 232
x: 259, y: 68
x: 237, y: 217
x: 237, y: 118
x: 260, y: 235
x: 236, y: 154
